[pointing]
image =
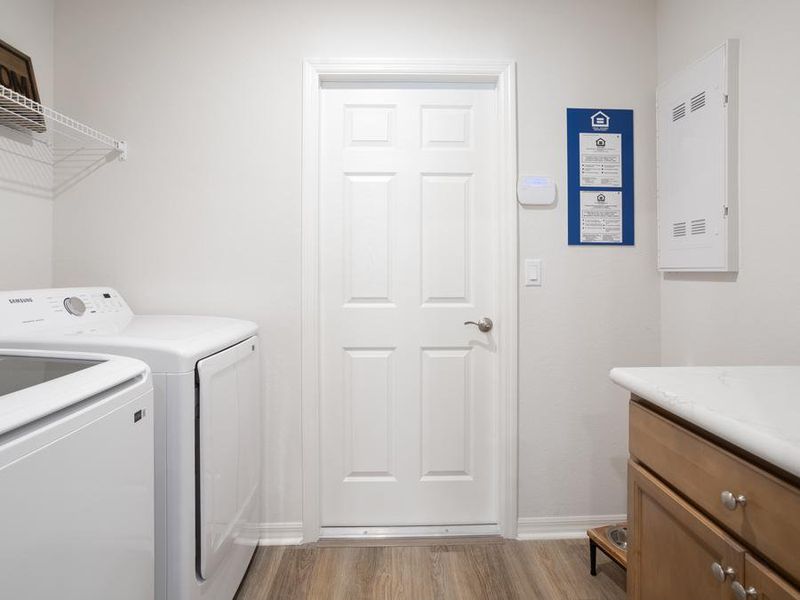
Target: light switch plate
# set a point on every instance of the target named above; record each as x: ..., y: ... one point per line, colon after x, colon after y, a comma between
x: 533, y: 272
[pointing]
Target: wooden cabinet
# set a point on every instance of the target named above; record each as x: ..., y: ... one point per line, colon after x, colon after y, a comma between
x: 701, y: 471
x: 764, y: 584
x: 673, y: 547
x: 684, y: 541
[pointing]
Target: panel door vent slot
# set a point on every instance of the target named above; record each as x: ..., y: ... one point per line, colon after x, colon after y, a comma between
x: 698, y: 226
x: 698, y: 101
x: 679, y: 111
x: 679, y: 229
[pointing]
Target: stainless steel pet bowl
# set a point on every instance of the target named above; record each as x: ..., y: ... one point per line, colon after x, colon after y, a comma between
x: 619, y: 537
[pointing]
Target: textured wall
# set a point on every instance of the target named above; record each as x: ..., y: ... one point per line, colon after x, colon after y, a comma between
x: 205, y: 216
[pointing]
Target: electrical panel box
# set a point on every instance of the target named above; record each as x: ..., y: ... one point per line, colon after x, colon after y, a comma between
x: 697, y: 120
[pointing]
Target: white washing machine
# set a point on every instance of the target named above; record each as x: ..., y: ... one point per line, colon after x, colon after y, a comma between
x: 207, y: 423
x: 76, y: 477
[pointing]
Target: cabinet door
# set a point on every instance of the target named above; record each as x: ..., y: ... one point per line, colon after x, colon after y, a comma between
x: 673, y: 547
x: 764, y: 584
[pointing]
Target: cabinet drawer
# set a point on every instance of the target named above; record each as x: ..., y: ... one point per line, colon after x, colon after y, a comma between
x: 766, y: 584
x: 769, y: 521
x: 674, y: 550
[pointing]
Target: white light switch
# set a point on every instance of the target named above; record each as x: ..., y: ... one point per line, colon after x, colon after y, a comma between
x: 533, y: 272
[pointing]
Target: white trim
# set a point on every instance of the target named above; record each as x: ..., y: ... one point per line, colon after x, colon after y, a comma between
x: 280, y: 534
x: 562, y: 528
x: 309, y: 357
x: 380, y: 533
x: 503, y: 75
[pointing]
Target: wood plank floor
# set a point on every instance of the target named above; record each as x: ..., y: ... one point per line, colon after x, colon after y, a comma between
x: 463, y: 570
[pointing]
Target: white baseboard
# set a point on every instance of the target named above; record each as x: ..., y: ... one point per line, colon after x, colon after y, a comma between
x: 528, y: 528
x: 280, y: 534
x: 561, y: 528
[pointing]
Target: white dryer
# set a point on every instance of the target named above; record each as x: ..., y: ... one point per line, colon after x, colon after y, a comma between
x: 207, y: 423
x: 76, y: 477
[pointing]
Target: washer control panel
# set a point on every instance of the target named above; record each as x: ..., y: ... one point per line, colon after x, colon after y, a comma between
x: 33, y: 310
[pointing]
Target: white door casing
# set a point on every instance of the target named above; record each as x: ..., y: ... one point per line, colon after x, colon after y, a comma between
x: 409, y: 229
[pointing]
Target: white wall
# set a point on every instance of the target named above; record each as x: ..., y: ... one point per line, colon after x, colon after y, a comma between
x: 752, y: 318
x: 26, y: 220
x: 205, y: 215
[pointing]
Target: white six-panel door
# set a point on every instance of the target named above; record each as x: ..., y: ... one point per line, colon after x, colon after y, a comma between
x: 408, y: 253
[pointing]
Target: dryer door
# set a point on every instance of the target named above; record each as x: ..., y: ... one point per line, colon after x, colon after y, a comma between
x: 229, y: 451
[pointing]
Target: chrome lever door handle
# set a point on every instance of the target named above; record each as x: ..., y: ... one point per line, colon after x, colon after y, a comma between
x: 485, y: 324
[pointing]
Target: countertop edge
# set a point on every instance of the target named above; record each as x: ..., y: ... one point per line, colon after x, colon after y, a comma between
x: 779, y: 453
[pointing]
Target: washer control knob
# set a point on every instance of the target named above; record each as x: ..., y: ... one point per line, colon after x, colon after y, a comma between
x: 74, y: 306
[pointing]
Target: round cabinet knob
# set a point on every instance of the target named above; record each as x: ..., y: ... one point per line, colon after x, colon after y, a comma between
x: 731, y: 501
x: 74, y: 306
x: 721, y: 573
x: 743, y: 593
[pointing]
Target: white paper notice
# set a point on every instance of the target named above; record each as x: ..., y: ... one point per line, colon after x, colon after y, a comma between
x: 601, y: 217
x: 601, y: 160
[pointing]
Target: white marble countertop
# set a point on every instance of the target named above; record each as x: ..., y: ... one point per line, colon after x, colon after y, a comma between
x: 754, y: 408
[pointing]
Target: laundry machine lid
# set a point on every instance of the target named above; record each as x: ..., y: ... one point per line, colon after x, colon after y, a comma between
x: 21, y: 372
x: 35, y: 384
x: 167, y: 343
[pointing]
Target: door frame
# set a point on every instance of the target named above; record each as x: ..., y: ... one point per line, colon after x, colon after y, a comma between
x: 501, y: 74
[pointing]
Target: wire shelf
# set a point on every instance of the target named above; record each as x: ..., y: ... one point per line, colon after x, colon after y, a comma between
x: 43, y: 152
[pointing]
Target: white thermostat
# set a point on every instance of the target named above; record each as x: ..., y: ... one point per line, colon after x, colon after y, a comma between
x: 536, y: 190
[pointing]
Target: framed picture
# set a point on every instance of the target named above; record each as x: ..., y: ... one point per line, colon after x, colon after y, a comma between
x: 16, y: 72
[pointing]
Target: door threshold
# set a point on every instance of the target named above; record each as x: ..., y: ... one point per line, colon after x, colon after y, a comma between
x: 414, y: 532
x: 412, y: 542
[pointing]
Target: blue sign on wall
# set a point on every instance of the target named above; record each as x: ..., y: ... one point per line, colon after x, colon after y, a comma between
x: 600, y: 176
